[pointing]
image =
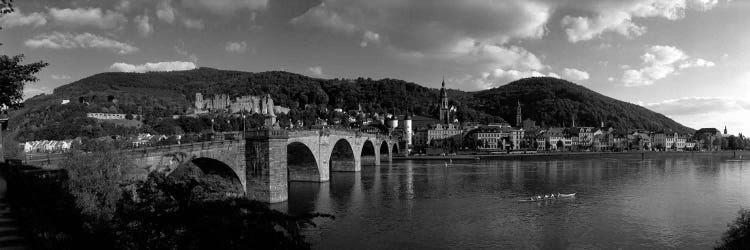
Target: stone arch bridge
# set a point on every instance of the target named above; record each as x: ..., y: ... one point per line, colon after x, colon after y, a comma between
x: 266, y: 160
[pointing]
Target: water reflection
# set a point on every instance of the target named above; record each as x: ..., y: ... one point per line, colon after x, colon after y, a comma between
x: 622, y: 203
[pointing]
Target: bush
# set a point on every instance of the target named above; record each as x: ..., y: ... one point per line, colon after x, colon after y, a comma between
x: 738, y: 234
x: 93, y: 205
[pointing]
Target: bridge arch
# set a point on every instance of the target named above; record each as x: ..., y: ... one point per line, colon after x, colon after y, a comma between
x: 385, y: 150
x: 211, y: 169
x: 301, y: 163
x: 395, y: 149
x: 342, y: 157
x: 369, y: 154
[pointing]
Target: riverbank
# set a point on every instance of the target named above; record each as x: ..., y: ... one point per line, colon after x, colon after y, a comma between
x: 576, y: 155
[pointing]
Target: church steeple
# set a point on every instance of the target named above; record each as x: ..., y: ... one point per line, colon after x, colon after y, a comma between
x: 518, y: 115
x: 725, y: 129
x: 444, y: 109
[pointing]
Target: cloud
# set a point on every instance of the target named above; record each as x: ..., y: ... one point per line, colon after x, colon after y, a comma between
x: 413, y: 26
x: 58, y: 40
x: 490, y: 65
x: 30, y: 91
x: 369, y: 38
x: 498, y: 77
x: 710, y: 112
x: 226, y: 6
x: 147, y: 67
x: 617, y: 16
x: 660, y: 62
x: 60, y: 77
x: 236, y: 47
x: 165, y: 12
x: 316, y: 71
x: 93, y: 17
x: 575, y: 74
x: 193, y: 23
x: 185, y: 53
x: 17, y: 19
x: 698, y: 63
x: 144, y: 27
x: 698, y: 105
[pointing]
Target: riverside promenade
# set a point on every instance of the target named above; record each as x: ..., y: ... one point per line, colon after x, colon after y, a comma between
x: 575, y: 155
x: 10, y: 234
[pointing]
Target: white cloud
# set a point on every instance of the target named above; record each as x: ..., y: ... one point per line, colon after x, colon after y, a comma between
x: 193, y: 23
x: 165, y: 12
x: 711, y: 112
x: 60, y: 77
x: 697, y: 63
x: 316, y: 71
x: 236, y: 47
x: 17, y: 19
x: 58, y: 40
x: 498, y: 77
x: 369, y: 38
x: 412, y: 26
x: 617, y: 16
x: 226, y: 6
x: 583, y: 28
x: 93, y: 17
x: 660, y: 62
x: 144, y: 27
x: 158, y: 66
x: 575, y: 74
x: 31, y: 91
x: 698, y: 105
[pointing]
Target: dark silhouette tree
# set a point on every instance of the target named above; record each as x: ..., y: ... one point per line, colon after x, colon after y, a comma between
x: 13, y: 73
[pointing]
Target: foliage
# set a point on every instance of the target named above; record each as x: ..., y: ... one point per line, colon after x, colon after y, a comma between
x: 159, y: 95
x: 99, y: 207
x: 94, y: 180
x: 552, y: 102
x: 162, y: 219
x: 738, y: 234
x: 13, y: 75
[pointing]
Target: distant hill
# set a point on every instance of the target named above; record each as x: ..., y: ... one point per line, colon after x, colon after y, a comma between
x: 552, y: 102
x: 549, y: 101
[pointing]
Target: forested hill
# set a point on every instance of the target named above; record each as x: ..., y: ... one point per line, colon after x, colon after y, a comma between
x: 549, y: 101
x: 553, y: 101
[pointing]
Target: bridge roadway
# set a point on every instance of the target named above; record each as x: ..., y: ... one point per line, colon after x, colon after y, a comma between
x: 265, y: 161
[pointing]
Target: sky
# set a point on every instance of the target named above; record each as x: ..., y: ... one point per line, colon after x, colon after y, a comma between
x: 687, y: 59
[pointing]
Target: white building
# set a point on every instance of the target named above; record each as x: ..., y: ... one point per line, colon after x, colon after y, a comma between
x: 106, y: 116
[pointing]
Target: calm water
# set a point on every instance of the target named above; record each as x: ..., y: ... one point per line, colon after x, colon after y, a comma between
x: 680, y: 202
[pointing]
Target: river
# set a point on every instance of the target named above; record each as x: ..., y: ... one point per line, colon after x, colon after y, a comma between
x: 678, y: 202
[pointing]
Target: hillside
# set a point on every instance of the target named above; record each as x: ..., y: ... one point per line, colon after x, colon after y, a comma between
x: 552, y: 102
x: 549, y: 101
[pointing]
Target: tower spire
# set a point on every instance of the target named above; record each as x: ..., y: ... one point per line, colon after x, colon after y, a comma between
x: 518, y: 114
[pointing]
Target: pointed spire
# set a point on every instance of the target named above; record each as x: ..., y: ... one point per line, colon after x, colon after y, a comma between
x: 443, y: 80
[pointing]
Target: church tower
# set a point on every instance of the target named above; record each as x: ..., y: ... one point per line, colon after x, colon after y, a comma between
x: 725, y: 129
x: 518, y: 115
x: 444, y: 109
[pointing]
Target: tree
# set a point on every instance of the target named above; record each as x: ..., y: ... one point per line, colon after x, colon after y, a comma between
x: 94, y: 182
x: 547, y: 145
x: 560, y: 145
x: 717, y: 143
x: 738, y: 234
x: 14, y: 74
x: 673, y: 147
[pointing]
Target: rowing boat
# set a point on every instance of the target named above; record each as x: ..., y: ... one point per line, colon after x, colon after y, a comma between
x: 550, y: 198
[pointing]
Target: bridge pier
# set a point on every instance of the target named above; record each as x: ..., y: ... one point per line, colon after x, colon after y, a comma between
x: 266, y: 173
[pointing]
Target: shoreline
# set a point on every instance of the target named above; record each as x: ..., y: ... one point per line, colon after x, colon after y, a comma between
x: 574, y: 155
